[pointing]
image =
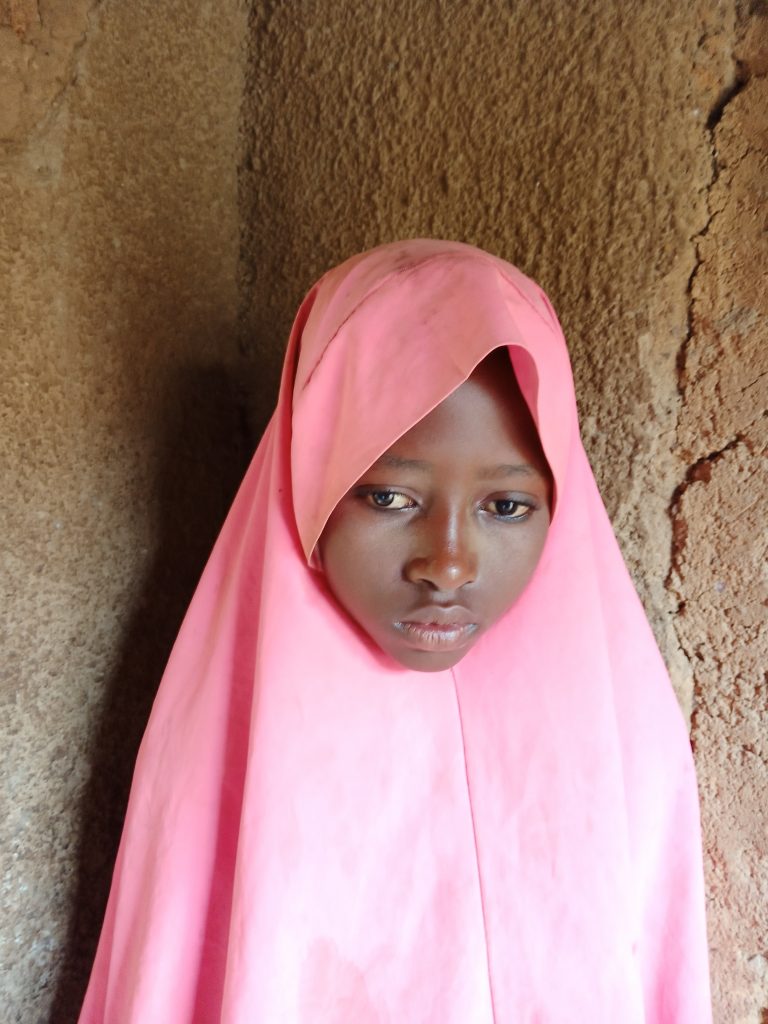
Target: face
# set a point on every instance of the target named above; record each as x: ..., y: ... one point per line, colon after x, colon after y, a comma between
x: 435, y: 542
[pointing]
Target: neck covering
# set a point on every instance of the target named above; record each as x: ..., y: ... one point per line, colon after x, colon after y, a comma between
x: 318, y: 835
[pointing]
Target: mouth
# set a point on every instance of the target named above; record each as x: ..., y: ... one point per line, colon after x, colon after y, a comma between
x: 438, y: 629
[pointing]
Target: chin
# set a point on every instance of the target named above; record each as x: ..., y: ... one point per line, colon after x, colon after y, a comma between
x: 428, y: 661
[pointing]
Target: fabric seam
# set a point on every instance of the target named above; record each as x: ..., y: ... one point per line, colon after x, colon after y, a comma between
x: 477, y: 852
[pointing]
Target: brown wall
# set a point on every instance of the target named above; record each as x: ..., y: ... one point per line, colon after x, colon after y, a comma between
x: 720, y: 555
x: 173, y: 177
x: 121, y: 439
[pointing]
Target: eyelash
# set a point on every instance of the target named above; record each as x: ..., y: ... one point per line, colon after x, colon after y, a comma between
x: 528, y: 508
x: 371, y: 495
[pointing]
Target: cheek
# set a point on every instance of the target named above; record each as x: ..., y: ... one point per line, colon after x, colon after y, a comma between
x: 361, y: 563
x: 511, y: 566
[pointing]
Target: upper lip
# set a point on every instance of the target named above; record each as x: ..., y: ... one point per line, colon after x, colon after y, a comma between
x: 440, y: 615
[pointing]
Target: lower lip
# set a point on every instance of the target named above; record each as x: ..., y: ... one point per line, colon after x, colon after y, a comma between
x: 429, y: 636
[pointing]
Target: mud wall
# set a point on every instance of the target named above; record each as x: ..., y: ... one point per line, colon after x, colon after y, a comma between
x: 720, y: 552
x: 174, y: 176
x: 120, y: 442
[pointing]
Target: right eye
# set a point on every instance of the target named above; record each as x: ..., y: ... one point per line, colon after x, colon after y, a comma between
x: 389, y: 500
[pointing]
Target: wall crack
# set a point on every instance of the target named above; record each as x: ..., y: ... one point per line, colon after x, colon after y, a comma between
x: 741, y: 76
x: 45, y: 41
x: 699, y: 471
x: 730, y: 92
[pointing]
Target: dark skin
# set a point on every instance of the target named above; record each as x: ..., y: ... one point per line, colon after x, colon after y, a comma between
x: 437, y: 540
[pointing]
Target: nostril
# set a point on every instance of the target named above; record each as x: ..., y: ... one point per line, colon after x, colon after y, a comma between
x: 443, y: 571
x: 445, y: 556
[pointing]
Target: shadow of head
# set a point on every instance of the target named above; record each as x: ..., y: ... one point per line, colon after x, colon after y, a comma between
x: 201, y: 447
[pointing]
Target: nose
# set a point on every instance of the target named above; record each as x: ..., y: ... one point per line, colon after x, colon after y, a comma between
x: 445, y: 557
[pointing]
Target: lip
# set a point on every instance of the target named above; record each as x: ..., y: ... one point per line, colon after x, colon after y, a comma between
x: 438, y: 629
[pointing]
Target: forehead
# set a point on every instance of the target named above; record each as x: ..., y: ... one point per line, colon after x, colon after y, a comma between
x: 487, y: 408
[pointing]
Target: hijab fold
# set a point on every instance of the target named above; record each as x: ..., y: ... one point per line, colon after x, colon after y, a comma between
x: 317, y: 835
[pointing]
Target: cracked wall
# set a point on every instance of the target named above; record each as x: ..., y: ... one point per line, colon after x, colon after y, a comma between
x: 174, y: 176
x: 720, y: 555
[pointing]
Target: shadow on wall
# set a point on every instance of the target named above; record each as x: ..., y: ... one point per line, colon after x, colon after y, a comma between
x: 203, y: 452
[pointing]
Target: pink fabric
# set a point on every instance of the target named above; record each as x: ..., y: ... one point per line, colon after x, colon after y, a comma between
x: 318, y: 835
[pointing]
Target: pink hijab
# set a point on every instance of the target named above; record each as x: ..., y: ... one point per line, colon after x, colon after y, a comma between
x: 317, y: 835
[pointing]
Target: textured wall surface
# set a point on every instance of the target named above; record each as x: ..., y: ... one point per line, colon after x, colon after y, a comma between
x: 720, y: 555
x: 120, y: 439
x: 174, y: 176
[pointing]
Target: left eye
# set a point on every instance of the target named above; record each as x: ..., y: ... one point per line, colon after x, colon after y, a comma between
x: 389, y: 499
x: 508, y: 508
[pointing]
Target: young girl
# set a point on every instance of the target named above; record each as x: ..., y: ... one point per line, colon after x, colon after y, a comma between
x: 415, y: 757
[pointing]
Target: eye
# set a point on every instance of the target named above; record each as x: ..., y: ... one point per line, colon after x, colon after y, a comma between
x: 383, y: 499
x: 509, y: 509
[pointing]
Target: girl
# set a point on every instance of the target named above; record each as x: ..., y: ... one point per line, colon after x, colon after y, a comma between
x: 415, y: 757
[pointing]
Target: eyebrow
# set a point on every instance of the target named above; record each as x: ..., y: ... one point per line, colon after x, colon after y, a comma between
x: 485, y: 473
x: 508, y: 469
x: 397, y: 463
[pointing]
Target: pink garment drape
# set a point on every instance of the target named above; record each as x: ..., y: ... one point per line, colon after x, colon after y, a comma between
x: 320, y: 836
